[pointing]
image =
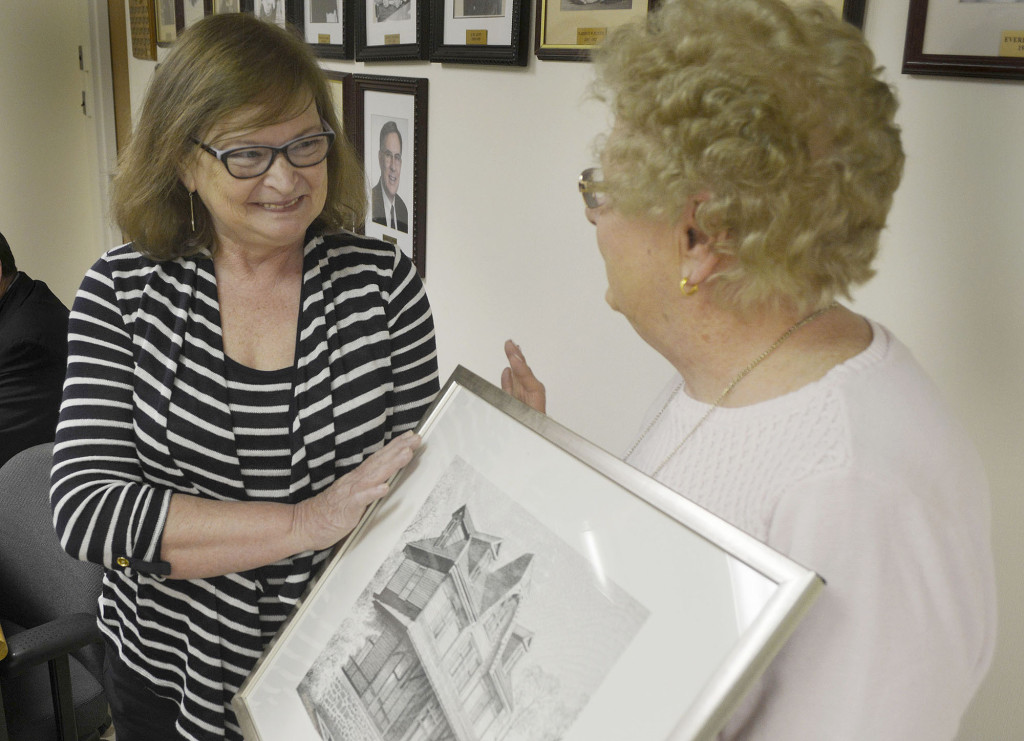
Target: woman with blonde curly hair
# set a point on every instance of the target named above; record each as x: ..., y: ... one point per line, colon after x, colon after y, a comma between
x: 244, y: 375
x: 743, y: 187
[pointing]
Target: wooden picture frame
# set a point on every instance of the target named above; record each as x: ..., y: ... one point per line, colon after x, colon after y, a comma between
x: 391, y: 30
x: 327, y: 26
x: 340, y: 82
x: 566, y: 30
x: 142, y: 23
x: 536, y: 588
x: 558, y: 21
x: 961, y: 38
x: 400, y: 103
x: 479, y: 32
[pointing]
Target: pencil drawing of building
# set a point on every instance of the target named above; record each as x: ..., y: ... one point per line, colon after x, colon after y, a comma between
x: 438, y: 667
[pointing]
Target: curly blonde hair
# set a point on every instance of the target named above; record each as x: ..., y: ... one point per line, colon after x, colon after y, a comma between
x: 779, y: 115
x: 219, y: 66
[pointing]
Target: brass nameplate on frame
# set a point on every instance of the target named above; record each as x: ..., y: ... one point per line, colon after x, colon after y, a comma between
x: 392, y: 38
x: 590, y: 36
x: 1011, y: 44
x: 476, y: 38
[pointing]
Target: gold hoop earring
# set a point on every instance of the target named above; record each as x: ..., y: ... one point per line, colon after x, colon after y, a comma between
x: 192, y: 209
x: 688, y: 291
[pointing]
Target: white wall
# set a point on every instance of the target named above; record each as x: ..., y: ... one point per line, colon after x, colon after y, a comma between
x: 510, y: 254
x: 949, y: 285
x: 52, y: 207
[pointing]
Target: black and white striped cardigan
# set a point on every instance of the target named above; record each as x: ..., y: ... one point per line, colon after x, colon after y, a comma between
x: 145, y: 414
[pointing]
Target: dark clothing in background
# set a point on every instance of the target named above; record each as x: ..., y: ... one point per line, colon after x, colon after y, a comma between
x: 33, y: 361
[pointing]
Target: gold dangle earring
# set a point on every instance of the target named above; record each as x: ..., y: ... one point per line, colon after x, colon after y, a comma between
x: 192, y: 209
x: 687, y: 291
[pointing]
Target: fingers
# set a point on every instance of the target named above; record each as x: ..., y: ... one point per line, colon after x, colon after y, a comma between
x: 383, y: 464
x: 512, y: 350
x: 519, y: 381
x: 323, y: 520
x: 506, y: 381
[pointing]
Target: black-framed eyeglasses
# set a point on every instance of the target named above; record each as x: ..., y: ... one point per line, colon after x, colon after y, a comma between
x: 592, y: 187
x: 254, y: 160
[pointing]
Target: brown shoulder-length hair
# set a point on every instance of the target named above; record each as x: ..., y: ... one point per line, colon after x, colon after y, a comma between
x: 219, y: 66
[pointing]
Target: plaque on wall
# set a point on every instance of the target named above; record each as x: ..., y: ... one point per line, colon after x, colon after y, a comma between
x: 142, y: 15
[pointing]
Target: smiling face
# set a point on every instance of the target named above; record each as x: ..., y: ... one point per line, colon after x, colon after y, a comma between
x: 264, y: 213
x: 390, y: 157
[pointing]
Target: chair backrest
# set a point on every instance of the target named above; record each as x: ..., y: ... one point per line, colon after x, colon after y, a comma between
x: 38, y: 580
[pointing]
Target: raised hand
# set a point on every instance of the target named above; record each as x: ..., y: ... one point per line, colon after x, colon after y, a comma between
x: 518, y: 379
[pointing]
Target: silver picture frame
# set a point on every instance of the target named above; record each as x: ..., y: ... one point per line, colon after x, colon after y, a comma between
x: 518, y: 583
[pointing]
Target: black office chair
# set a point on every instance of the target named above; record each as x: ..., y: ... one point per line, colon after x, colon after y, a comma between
x: 50, y: 680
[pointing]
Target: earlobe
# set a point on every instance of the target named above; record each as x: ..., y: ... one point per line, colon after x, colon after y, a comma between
x: 187, y: 177
x: 697, y: 252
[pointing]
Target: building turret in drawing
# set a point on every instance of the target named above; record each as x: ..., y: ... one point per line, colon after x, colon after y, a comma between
x: 440, y: 667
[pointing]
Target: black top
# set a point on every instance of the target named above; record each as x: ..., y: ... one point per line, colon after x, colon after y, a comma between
x: 33, y: 359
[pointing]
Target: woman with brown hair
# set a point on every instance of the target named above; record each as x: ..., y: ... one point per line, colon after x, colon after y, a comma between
x: 242, y: 376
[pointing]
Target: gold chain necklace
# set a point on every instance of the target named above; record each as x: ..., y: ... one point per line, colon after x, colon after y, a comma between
x: 721, y: 397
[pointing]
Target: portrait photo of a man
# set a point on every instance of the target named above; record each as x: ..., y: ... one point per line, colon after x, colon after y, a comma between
x: 387, y: 207
x: 324, y: 11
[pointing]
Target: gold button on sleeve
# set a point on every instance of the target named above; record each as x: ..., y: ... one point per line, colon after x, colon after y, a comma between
x: 122, y: 562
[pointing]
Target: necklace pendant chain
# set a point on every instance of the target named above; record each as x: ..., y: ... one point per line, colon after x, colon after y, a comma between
x: 728, y: 389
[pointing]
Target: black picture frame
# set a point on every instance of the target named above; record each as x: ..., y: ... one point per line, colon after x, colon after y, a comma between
x: 476, y: 24
x: 282, y: 15
x: 407, y: 39
x: 916, y: 61
x: 188, y: 12
x: 388, y: 101
x: 326, y: 42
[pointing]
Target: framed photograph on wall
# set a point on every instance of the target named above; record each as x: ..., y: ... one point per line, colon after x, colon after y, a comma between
x: 339, y: 87
x: 536, y: 588
x: 272, y: 11
x: 174, y: 16
x: 192, y: 11
x: 567, y: 30
x: 479, y: 32
x: 228, y: 6
x: 852, y: 11
x: 965, y: 38
x: 326, y: 25
x: 386, y: 121
x: 166, y: 22
x: 142, y: 22
x: 391, y: 30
